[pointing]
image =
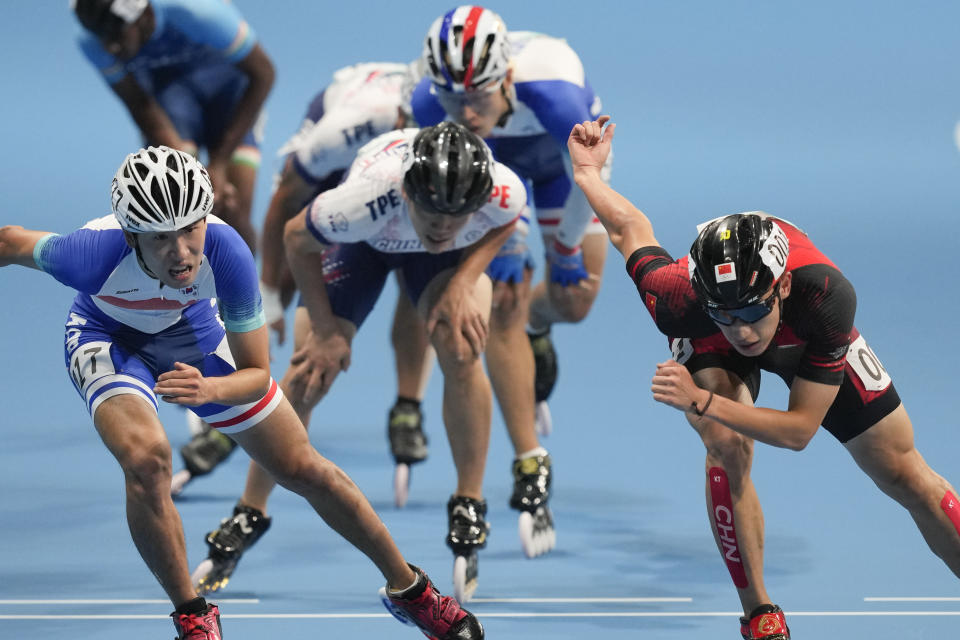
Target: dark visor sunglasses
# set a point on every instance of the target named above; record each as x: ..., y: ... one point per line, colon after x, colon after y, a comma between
x: 749, y: 314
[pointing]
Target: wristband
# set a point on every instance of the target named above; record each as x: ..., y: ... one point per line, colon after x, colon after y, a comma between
x: 272, y: 307
x: 700, y: 412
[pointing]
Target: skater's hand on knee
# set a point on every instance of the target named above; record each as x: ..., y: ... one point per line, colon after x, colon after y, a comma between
x: 458, y: 309
x: 317, y: 364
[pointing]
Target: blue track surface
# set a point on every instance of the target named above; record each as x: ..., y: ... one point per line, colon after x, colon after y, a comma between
x: 837, y: 116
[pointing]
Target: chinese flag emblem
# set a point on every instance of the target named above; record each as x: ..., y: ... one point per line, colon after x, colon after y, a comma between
x: 651, y: 301
x: 725, y: 272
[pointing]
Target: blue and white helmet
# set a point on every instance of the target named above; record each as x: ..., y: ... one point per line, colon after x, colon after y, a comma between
x: 160, y: 189
x: 466, y: 49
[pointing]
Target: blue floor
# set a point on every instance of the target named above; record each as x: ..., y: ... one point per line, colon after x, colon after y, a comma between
x: 838, y: 116
x: 634, y: 556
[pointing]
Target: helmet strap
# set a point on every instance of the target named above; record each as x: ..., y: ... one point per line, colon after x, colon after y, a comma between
x: 502, y: 122
x: 776, y: 292
x: 143, y: 265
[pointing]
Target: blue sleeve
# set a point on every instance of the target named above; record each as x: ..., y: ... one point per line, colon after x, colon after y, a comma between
x: 215, y: 23
x: 82, y: 260
x: 558, y: 105
x: 235, y: 273
x: 427, y: 110
x: 108, y: 66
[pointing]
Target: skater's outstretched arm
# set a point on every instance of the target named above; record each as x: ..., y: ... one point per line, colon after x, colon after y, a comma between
x: 16, y: 245
x: 589, y: 145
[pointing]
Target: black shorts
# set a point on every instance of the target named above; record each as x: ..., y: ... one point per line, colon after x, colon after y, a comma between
x: 866, y: 394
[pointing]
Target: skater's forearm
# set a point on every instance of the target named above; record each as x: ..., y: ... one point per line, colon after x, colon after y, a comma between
x: 17, y: 244
x: 477, y: 258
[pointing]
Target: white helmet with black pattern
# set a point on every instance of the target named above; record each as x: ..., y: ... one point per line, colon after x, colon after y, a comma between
x: 160, y: 189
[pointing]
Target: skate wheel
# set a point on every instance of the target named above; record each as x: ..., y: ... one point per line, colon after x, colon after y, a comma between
x: 401, y: 484
x: 201, y: 572
x: 179, y: 481
x: 195, y: 424
x: 525, y: 529
x: 537, y: 535
x: 543, y: 420
x: 464, y: 577
x: 394, y: 610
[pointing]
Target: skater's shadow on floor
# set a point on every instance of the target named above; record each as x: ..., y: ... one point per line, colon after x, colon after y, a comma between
x: 202, y: 498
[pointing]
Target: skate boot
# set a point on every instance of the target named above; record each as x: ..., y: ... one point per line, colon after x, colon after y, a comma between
x: 439, y: 617
x: 531, y: 491
x: 766, y: 622
x: 545, y: 377
x: 200, y: 456
x: 468, y: 534
x: 227, y: 544
x: 198, y: 626
x: 408, y: 444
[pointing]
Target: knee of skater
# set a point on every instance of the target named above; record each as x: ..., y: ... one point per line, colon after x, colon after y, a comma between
x: 147, y: 466
x: 573, y: 308
x: 907, y: 485
x: 506, y: 313
x: 454, y: 356
x: 731, y: 451
x: 308, y: 474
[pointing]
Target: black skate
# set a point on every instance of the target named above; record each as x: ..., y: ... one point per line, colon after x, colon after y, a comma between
x: 545, y: 378
x: 200, y: 456
x: 227, y: 544
x: 408, y: 444
x: 531, y: 491
x: 468, y: 534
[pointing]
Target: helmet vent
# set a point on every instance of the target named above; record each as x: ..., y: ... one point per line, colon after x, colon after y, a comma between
x: 146, y: 209
x: 156, y: 191
x: 191, y: 180
x: 485, y: 53
x: 453, y: 162
x: 174, y: 190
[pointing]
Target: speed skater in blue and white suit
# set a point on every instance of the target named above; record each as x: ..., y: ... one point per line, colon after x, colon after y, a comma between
x: 145, y: 326
x: 522, y: 92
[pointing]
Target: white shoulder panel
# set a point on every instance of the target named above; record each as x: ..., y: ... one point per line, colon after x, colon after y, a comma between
x: 540, y: 57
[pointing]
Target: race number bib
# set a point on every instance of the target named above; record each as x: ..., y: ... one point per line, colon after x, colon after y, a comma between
x: 90, y: 361
x: 865, y: 364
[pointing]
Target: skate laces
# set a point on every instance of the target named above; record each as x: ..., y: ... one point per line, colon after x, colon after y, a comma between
x: 430, y: 610
x: 198, y: 626
x: 531, y: 482
x: 404, y: 417
x: 467, y: 523
x: 238, y: 531
x: 766, y: 622
x: 405, y: 426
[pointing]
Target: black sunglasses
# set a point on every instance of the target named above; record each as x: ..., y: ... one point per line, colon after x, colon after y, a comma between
x: 749, y: 314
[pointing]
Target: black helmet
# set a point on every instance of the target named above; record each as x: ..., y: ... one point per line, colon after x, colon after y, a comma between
x: 97, y: 18
x: 449, y: 170
x: 735, y: 260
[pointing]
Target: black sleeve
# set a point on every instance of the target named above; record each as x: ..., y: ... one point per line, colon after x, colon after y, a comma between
x: 664, y: 286
x: 821, y: 307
